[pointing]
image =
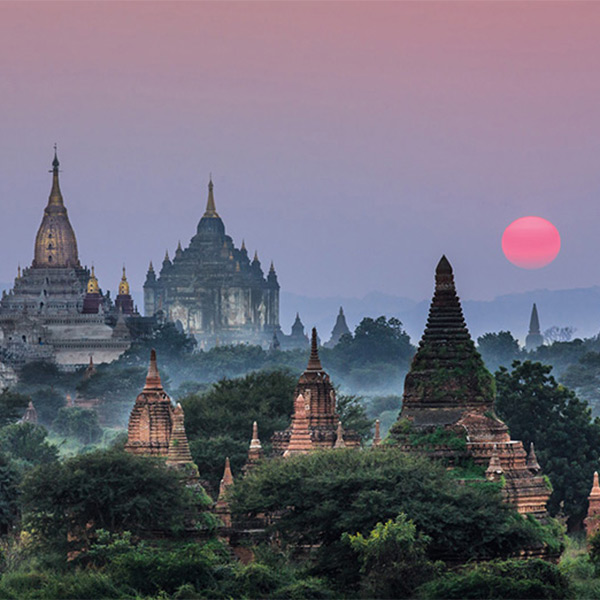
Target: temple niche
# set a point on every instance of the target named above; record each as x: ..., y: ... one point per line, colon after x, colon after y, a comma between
x: 448, y: 393
x: 315, y: 422
x: 213, y: 290
x: 56, y: 310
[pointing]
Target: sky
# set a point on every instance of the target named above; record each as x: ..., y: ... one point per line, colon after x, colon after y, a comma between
x: 352, y: 143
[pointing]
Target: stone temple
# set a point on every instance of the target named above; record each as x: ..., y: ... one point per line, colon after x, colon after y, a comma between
x: 212, y: 290
x: 56, y: 310
x: 448, y: 391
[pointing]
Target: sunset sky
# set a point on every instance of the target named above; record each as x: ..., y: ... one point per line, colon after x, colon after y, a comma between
x: 352, y: 143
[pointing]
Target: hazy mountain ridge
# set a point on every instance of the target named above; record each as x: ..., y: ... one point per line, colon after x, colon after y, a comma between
x: 578, y: 307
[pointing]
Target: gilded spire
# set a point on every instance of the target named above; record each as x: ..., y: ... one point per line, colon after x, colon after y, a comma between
x: 211, y: 210
x: 243, y: 246
x: 92, y: 285
x: 55, y: 243
x: 255, y: 259
x: 153, y: 382
x: 56, y: 198
x: 314, y: 362
x: 18, y: 271
x: 272, y: 268
x: 124, y: 284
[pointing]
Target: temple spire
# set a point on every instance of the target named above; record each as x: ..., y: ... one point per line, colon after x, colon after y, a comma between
x: 534, y: 322
x: 211, y: 210
x: 377, y: 436
x: 339, y: 437
x: 153, y: 381
x: 314, y: 362
x: 56, y: 198
x: 222, y: 505
x: 532, y: 462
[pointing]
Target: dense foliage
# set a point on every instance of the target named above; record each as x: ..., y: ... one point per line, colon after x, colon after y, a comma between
x: 322, y: 495
x: 567, y: 440
x: 103, y: 490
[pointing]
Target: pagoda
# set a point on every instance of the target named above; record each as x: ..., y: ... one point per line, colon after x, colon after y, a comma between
x: 315, y: 402
x: 592, y: 521
x: 448, y: 388
x: 339, y: 329
x: 151, y: 419
x: 212, y: 290
x: 534, y: 338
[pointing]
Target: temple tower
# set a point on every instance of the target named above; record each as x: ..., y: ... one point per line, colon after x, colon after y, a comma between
x: 534, y: 338
x: 318, y: 393
x: 93, y: 298
x: 340, y: 328
x: 448, y: 387
x: 255, y: 452
x: 151, y: 419
x: 222, y: 508
x: 592, y: 521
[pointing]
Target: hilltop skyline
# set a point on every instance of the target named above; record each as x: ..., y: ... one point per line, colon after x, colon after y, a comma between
x: 352, y: 144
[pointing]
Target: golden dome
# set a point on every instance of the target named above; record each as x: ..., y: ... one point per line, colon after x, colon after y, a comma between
x: 124, y: 285
x: 92, y: 285
x: 55, y: 243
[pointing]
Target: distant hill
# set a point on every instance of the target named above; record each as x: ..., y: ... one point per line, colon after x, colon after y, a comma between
x: 579, y: 308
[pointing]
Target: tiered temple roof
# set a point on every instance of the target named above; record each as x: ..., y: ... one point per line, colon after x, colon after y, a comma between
x: 339, y: 329
x: 151, y: 419
x: 319, y: 402
x: 449, y: 387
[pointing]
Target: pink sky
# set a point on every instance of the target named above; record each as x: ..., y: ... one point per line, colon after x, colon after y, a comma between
x: 353, y: 143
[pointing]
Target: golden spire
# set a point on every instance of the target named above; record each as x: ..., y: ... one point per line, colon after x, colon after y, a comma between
x: 19, y: 272
x: 243, y: 245
x: 211, y: 210
x: 124, y: 285
x: 55, y: 243
x: 92, y: 285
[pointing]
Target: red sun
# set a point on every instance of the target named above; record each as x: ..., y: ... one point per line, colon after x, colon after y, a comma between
x: 531, y: 242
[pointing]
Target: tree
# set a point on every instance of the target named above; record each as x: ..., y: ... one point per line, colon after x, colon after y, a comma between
x: 9, y: 494
x: 559, y: 334
x: 393, y: 558
x: 567, y: 441
x: 353, y: 415
x: 12, y: 406
x: 79, y: 423
x: 510, y: 579
x: 221, y: 419
x: 27, y: 443
x: 321, y: 495
x: 584, y: 378
x: 375, y: 340
x: 104, y: 490
x: 48, y: 401
x: 498, y: 349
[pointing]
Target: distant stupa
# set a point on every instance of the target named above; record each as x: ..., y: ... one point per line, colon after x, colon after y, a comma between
x: 534, y: 339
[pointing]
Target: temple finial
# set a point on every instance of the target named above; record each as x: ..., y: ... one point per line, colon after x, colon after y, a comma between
x: 153, y: 381
x: 211, y: 210
x: 255, y: 256
x: 314, y: 362
x: 124, y: 284
x: 243, y: 246
x: 272, y: 269
x: 55, y: 163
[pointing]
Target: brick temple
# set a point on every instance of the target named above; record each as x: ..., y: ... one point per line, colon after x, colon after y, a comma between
x: 449, y: 388
x: 315, y: 420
